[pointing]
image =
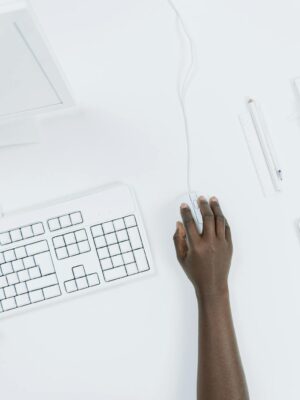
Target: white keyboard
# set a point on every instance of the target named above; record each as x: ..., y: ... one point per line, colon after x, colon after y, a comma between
x: 81, y: 244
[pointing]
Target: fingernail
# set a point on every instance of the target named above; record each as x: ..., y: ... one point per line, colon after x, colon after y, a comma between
x: 214, y: 199
x: 184, y: 206
x: 202, y: 198
x: 177, y: 225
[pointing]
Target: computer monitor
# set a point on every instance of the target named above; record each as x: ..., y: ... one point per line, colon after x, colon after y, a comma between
x: 31, y: 81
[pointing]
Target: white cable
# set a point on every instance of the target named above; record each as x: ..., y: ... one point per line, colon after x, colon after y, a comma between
x: 183, y: 88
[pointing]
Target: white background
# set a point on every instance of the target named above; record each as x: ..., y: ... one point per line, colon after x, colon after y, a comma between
x: 139, y: 341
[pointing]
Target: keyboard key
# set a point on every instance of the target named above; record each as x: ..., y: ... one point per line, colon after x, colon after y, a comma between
x: 82, y: 283
x: 38, y: 229
x: 8, y: 304
x: 106, y: 264
x: 70, y: 238
x: 65, y: 221
x: 79, y: 271
x: 44, y: 261
x: 81, y: 235
x: 111, y: 238
x: 20, y: 252
x: 10, y: 291
x: 97, y: 231
x: 114, y: 249
x: 1, y: 258
x: 130, y: 221
x: 17, y: 265
x: 22, y: 300
x: 3, y: 281
x: 15, y: 235
x: 36, y: 248
x: 21, y: 288
x: 42, y: 282
x: 73, y: 250
x: 119, y: 224
x: 117, y: 261
x: 58, y: 242
x: 115, y: 273
x: 132, y: 269
x: 125, y: 246
x: 84, y: 247
x: 29, y: 262
x: 141, y: 260
x: 76, y: 218
x: 128, y: 257
x: 27, y: 232
x: 5, y: 238
x: 62, y: 253
x: 36, y: 296
x: 23, y: 275
x: 93, y: 280
x: 122, y: 236
x: 108, y: 227
x: 100, y: 242
x: 52, y: 291
x: 34, y: 272
x: 7, y: 268
x: 71, y: 286
x: 103, y: 253
x: 135, y: 239
x: 54, y: 224
x: 9, y: 255
x: 12, y: 278
x: 2, y: 295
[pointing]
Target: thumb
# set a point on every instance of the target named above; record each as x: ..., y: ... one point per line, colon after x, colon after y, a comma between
x: 180, y: 242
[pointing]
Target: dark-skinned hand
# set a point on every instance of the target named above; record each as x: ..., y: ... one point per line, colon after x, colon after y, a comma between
x: 205, y: 258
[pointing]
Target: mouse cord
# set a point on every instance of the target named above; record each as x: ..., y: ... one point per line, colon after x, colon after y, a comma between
x: 183, y: 87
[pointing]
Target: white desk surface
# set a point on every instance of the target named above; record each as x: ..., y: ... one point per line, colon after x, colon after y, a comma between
x: 139, y: 341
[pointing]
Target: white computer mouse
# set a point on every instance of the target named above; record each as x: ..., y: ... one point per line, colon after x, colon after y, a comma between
x: 190, y: 198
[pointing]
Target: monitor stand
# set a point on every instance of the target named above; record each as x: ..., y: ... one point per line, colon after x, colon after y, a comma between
x: 18, y: 131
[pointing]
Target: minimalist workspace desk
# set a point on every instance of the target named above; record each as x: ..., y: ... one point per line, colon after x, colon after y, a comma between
x: 139, y: 341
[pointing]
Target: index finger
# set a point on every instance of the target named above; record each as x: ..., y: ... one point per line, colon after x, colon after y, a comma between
x: 189, y: 224
x: 207, y: 216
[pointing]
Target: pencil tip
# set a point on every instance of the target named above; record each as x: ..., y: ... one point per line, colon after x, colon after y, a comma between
x: 280, y: 175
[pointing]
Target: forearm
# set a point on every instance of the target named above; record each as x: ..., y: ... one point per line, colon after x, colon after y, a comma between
x: 206, y: 259
x: 220, y: 371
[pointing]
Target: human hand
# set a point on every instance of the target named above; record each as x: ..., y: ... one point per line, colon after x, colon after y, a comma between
x: 205, y: 258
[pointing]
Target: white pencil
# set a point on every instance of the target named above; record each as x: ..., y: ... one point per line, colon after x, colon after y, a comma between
x: 266, y: 144
x: 270, y: 144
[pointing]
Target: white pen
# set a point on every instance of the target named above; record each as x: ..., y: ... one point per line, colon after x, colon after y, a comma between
x: 266, y: 144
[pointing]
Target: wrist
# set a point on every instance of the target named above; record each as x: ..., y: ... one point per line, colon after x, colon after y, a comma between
x: 213, y: 297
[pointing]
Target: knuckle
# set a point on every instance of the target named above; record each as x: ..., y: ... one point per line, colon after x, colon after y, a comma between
x: 188, y: 220
x: 208, y: 215
x: 194, y: 252
x: 212, y: 248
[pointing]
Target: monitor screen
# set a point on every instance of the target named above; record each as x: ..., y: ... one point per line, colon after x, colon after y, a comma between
x: 30, y: 79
